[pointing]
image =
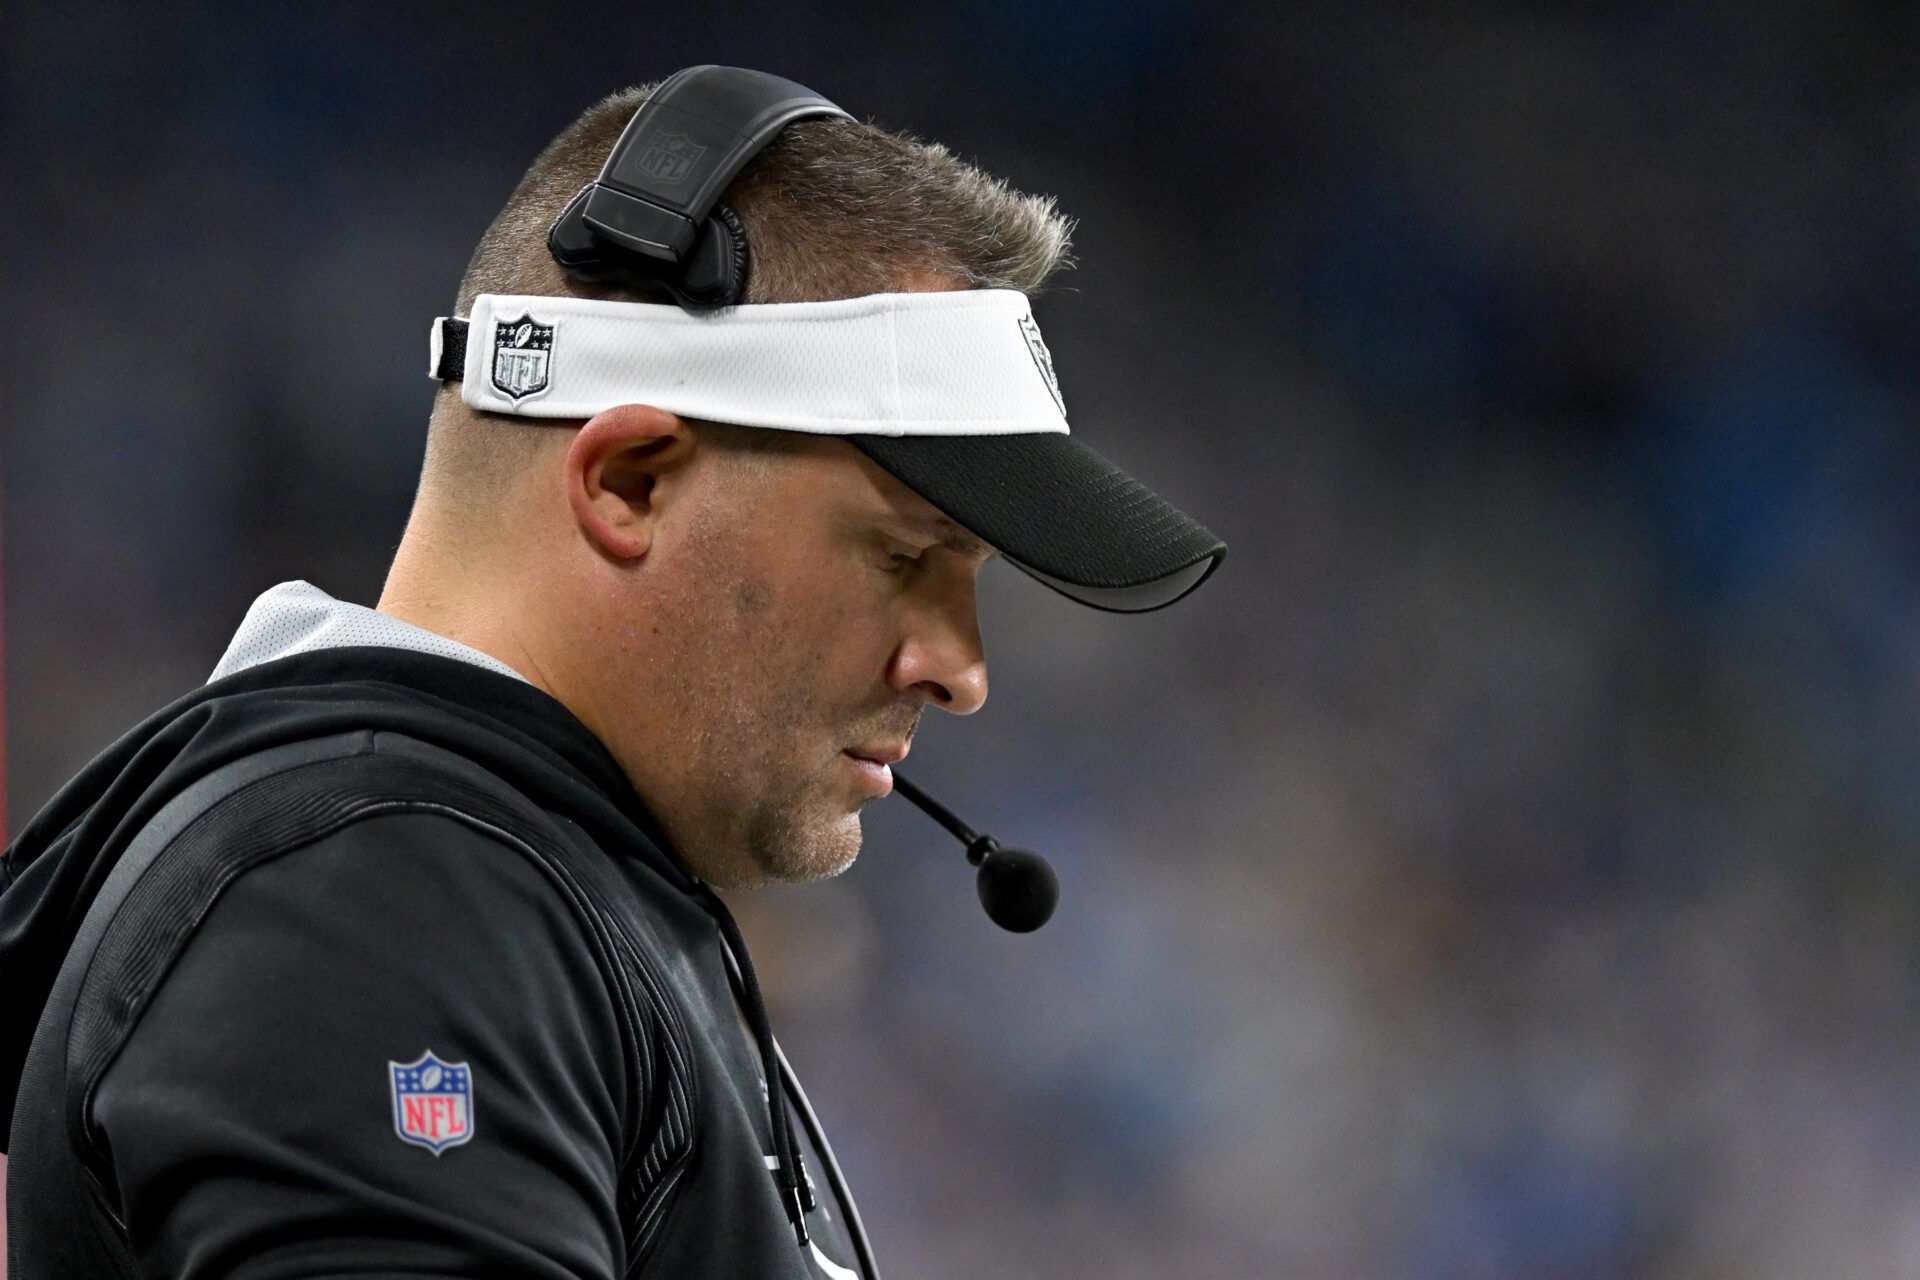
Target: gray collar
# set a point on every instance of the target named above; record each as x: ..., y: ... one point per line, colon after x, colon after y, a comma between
x: 298, y: 617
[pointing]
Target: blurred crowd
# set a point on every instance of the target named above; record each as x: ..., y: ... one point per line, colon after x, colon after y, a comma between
x: 1504, y: 868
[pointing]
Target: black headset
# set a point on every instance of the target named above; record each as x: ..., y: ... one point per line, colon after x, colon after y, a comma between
x: 653, y: 220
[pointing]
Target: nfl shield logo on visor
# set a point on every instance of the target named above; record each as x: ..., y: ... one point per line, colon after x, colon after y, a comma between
x: 522, y: 357
x: 432, y: 1102
x: 1042, y: 359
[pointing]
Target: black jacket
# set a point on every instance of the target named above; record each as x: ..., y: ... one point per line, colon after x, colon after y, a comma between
x: 237, y: 1083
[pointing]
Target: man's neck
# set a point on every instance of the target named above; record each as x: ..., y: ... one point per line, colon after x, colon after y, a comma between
x: 422, y: 589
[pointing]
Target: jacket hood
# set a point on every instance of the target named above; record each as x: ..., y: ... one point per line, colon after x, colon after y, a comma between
x: 53, y: 870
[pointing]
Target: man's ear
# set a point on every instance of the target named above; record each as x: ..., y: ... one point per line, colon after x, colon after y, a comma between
x: 622, y: 467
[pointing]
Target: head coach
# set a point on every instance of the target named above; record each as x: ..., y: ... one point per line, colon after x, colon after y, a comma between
x: 394, y: 950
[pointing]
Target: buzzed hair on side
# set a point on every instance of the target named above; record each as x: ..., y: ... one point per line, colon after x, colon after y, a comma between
x: 833, y: 208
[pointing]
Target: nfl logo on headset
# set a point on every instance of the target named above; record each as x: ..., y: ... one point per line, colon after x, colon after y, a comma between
x: 522, y: 357
x: 669, y: 157
x: 432, y: 1102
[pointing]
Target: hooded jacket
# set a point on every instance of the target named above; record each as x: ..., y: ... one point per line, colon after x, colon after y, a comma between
x: 425, y: 994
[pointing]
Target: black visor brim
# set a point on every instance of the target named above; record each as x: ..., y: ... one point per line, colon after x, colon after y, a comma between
x: 1060, y: 512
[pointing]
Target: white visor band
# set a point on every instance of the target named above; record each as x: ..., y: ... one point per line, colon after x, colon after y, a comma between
x: 895, y: 364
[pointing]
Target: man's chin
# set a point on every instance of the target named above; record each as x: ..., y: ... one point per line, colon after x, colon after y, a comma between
x: 820, y: 855
x: 824, y: 856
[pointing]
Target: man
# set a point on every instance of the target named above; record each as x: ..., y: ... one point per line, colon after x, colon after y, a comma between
x: 394, y: 949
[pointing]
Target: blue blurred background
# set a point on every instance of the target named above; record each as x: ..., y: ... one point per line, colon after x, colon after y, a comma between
x: 1505, y: 868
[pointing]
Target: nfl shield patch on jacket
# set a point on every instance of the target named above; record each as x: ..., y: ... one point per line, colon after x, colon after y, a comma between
x: 432, y: 1102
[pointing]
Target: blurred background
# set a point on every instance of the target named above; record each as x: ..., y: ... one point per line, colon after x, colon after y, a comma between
x: 1504, y: 868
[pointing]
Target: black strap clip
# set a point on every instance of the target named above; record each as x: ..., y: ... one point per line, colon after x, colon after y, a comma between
x: 449, y: 349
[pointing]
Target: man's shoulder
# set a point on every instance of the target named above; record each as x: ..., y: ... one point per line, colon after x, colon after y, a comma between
x: 395, y: 975
x: 297, y: 795
x: 347, y: 851
x: 367, y: 844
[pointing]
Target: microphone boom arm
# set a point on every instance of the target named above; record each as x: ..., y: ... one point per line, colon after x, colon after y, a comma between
x: 1016, y: 886
x: 978, y: 846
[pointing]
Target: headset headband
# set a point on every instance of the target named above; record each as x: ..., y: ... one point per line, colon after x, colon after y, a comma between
x: 653, y: 219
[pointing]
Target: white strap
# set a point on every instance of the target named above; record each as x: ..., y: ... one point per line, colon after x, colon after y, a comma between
x: 938, y: 364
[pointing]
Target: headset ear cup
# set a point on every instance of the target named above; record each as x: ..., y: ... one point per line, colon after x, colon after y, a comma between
x: 736, y: 237
x: 572, y: 242
x: 715, y: 271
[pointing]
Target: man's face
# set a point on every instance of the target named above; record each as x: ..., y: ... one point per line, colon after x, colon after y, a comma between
x: 805, y: 607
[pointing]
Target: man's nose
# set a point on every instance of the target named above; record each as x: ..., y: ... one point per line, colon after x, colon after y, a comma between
x: 941, y: 659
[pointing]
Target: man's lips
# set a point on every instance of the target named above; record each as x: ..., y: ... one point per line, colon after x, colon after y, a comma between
x: 871, y: 760
x: 881, y: 752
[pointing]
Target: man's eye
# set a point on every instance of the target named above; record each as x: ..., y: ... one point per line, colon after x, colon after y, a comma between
x: 901, y: 559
